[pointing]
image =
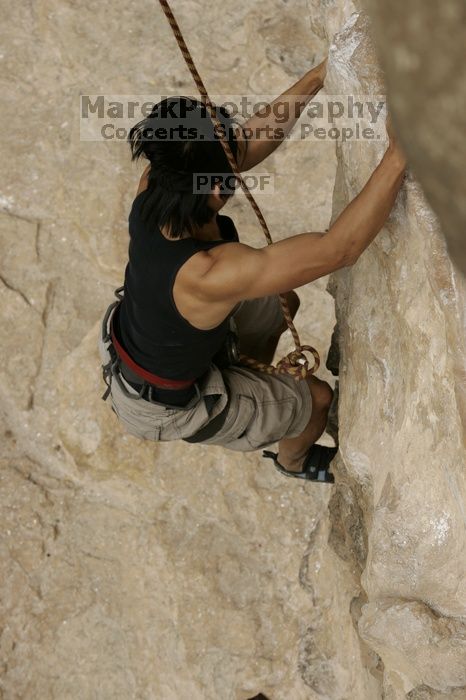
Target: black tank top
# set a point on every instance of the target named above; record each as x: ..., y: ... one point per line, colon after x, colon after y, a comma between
x: 148, y: 324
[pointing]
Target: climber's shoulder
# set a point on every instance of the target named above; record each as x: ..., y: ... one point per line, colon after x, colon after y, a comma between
x: 227, y: 271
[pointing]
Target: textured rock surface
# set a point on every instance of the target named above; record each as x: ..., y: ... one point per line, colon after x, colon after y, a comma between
x: 421, y: 46
x: 402, y: 416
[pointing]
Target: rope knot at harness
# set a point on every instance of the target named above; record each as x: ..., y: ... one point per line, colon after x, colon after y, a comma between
x: 296, y: 363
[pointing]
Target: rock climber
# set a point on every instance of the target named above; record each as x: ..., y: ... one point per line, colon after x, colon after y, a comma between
x: 194, y: 296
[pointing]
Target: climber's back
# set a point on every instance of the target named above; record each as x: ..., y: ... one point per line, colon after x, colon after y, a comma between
x: 153, y: 330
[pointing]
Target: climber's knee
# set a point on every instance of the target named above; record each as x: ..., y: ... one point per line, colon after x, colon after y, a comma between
x: 321, y: 393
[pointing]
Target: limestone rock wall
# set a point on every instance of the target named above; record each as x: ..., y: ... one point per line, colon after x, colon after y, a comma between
x: 402, y: 419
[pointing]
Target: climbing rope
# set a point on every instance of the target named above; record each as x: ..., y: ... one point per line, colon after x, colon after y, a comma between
x: 295, y: 363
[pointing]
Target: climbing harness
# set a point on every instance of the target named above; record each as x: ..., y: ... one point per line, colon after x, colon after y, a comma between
x: 295, y: 363
x: 121, y: 363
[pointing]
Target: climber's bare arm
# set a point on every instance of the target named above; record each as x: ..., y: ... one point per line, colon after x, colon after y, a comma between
x: 360, y: 222
x: 235, y: 271
x: 268, y: 127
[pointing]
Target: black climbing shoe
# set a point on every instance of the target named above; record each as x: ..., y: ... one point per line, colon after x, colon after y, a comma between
x: 315, y: 466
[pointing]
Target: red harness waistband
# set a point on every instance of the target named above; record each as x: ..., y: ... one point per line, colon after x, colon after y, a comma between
x: 159, y: 382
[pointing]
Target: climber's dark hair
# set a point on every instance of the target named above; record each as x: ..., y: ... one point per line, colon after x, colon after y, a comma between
x: 178, y: 139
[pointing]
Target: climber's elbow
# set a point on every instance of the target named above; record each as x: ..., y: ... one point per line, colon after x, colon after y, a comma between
x: 342, y: 253
x: 349, y: 258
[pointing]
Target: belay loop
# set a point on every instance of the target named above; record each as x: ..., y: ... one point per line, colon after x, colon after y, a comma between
x: 290, y: 364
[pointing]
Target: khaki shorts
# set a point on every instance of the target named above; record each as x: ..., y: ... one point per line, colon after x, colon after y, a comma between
x: 258, y: 409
